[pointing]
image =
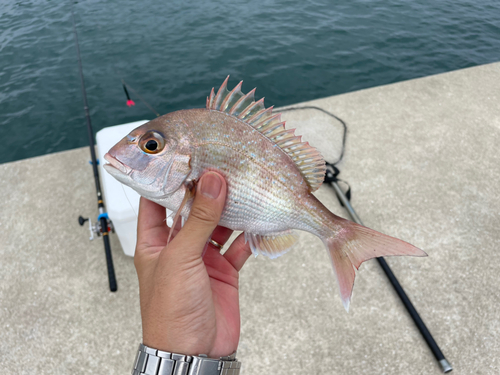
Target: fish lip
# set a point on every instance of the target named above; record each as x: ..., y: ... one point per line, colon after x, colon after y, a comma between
x: 116, y: 164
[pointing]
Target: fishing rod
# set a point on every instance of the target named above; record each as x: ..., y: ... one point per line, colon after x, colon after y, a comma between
x: 103, y: 225
x: 331, y: 178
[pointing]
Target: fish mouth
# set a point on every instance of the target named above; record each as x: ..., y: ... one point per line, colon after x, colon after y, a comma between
x: 114, y: 164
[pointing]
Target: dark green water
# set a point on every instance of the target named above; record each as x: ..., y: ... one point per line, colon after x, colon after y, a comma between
x: 174, y: 52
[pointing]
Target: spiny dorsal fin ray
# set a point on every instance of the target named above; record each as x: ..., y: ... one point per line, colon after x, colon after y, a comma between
x: 252, y: 109
x: 243, y: 106
x: 232, y: 98
x: 243, y: 103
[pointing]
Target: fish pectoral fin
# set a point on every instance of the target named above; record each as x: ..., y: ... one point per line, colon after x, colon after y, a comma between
x: 188, y: 194
x: 271, y: 245
x: 176, y: 174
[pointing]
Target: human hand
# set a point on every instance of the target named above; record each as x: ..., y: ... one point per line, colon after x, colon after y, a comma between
x: 189, y: 303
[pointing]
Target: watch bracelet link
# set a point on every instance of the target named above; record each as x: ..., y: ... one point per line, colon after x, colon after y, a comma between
x: 150, y: 361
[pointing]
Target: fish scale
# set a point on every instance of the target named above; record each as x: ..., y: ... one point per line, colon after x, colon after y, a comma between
x: 253, y: 198
x: 270, y: 173
x: 256, y: 188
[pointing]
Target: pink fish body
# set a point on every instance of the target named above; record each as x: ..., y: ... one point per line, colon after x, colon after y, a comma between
x: 270, y: 175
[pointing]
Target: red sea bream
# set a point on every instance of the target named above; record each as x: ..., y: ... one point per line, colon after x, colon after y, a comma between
x: 270, y: 175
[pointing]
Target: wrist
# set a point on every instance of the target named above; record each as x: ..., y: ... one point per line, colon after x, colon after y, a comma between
x: 150, y: 361
x: 191, y: 338
x: 180, y: 342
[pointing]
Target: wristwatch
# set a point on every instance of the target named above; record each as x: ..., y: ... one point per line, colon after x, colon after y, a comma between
x: 149, y: 361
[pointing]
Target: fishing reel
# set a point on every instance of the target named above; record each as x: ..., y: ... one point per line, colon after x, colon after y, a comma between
x: 96, y: 228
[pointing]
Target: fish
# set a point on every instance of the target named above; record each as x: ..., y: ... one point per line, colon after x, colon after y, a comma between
x: 271, y: 175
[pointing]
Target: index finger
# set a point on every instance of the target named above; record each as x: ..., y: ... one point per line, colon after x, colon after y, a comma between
x: 151, y: 215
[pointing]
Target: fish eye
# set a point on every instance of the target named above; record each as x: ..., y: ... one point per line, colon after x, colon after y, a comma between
x: 152, y: 142
x: 151, y: 145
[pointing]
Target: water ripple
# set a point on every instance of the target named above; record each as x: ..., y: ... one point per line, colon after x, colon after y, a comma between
x: 174, y: 52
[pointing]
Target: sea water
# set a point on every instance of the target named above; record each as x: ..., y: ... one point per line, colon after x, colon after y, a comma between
x: 173, y: 52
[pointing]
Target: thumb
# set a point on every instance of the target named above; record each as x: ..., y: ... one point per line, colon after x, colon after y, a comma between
x: 204, y: 216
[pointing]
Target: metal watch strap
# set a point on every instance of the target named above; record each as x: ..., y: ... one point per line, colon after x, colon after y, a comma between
x: 149, y: 361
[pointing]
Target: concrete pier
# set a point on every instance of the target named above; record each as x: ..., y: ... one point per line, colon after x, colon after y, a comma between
x: 423, y: 162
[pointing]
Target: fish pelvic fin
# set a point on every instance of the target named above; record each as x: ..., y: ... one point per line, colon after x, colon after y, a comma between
x: 353, y: 245
x: 308, y: 159
x: 271, y: 245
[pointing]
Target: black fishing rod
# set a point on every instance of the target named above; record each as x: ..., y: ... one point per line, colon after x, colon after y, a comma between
x: 103, y: 224
x: 331, y: 178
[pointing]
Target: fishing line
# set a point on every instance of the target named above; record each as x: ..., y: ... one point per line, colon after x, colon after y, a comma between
x: 126, y: 85
x: 132, y: 207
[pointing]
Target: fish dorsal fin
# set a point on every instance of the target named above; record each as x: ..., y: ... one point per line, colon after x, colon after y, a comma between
x: 244, y: 107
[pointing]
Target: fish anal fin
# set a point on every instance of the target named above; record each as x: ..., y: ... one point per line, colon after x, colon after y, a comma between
x: 271, y: 245
x: 308, y: 159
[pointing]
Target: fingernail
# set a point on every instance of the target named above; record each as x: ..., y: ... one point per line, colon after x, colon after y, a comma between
x: 211, y: 185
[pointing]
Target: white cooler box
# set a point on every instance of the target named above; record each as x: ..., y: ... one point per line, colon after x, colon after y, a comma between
x: 121, y: 201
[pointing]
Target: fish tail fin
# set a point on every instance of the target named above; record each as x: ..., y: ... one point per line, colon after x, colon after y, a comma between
x: 353, y: 245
